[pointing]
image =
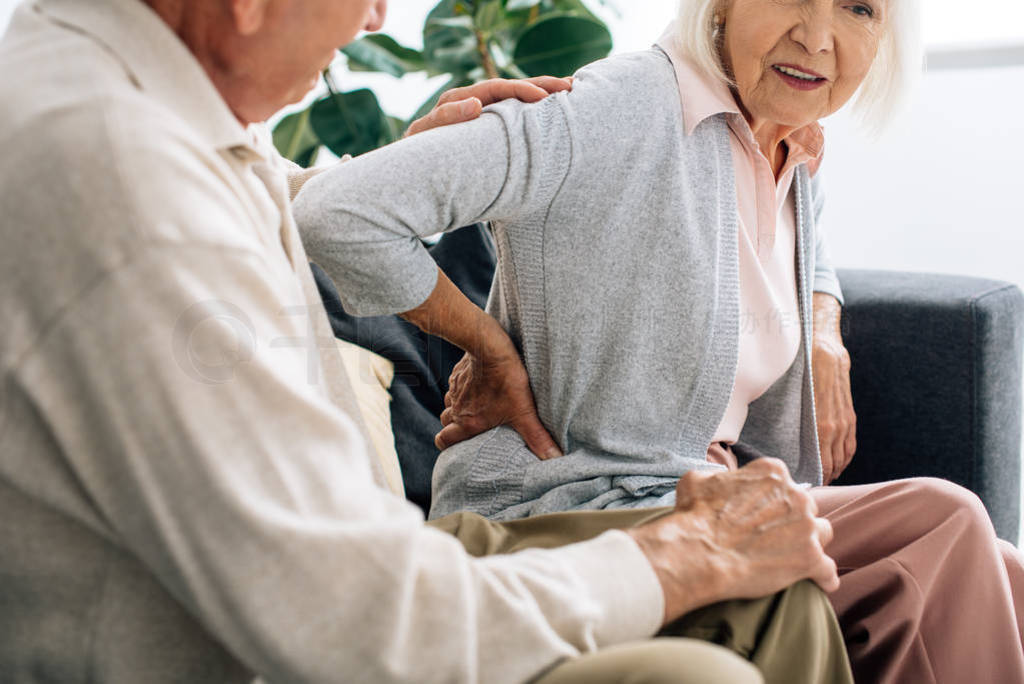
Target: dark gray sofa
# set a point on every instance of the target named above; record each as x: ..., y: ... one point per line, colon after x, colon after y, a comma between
x: 936, y: 381
x: 936, y: 375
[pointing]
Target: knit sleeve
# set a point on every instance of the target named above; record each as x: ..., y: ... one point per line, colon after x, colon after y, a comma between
x: 363, y: 221
x: 825, y: 279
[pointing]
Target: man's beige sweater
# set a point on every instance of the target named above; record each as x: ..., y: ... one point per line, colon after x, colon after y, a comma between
x: 184, y: 492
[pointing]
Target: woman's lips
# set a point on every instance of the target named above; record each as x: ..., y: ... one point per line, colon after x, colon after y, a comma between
x: 798, y: 78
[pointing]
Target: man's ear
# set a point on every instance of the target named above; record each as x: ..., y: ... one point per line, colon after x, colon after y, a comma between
x: 248, y: 15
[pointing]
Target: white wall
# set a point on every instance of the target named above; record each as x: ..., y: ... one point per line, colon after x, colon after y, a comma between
x: 943, y: 190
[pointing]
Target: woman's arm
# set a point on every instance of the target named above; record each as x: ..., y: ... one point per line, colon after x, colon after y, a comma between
x: 830, y: 361
x: 491, y: 377
x: 362, y: 222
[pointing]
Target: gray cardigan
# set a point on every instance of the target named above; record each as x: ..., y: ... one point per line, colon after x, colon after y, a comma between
x: 617, y: 277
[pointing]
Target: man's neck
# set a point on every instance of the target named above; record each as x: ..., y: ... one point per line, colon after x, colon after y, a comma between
x: 194, y: 23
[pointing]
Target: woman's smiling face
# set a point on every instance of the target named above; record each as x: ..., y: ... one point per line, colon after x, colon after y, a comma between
x: 796, y: 61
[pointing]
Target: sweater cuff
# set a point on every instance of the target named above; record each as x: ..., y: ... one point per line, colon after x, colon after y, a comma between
x: 356, y: 269
x: 618, y: 575
x: 828, y: 283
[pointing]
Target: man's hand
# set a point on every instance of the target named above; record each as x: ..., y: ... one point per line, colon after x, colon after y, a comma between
x: 464, y: 104
x: 742, y: 534
x: 833, y: 402
x: 485, y: 393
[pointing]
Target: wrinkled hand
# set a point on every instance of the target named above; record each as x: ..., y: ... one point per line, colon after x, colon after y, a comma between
x: 742, y: 534
x: 464, y: 104
x: 485, y: 394
x: 833, y: 401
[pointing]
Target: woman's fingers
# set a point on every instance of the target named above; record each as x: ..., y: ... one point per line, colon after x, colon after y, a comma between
x: 536, y: 436
x: 827, y: 456
x: 451, y: 434
x: 851, y: 444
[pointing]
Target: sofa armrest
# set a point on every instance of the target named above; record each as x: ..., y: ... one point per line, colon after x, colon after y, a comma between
x: 937, y: 380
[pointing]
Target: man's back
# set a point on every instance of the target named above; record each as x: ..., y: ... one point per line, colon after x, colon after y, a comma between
x: 75, y: 604
x: 98, y: 313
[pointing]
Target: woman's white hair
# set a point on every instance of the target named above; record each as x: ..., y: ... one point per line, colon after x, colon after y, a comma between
x: 896, y: 68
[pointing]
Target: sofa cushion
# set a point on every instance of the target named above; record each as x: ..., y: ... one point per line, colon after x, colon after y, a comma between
x: 371, y: 376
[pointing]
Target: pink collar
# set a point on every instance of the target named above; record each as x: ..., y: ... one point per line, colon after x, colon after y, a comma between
x: 704, y: 96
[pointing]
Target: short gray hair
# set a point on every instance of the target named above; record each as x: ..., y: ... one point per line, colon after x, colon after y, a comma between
x: 892, y: 76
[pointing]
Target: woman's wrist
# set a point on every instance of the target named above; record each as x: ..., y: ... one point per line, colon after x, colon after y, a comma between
x: 449, y: 314
x: 828, y: 314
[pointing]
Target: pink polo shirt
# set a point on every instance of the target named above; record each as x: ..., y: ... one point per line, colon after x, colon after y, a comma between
x: 769, y: 335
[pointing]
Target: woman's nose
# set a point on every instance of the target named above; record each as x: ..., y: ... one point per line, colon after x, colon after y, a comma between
x: 815, y: 31
x: 377, y: 13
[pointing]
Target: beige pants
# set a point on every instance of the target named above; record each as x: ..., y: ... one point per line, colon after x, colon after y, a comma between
x: 789, y: 638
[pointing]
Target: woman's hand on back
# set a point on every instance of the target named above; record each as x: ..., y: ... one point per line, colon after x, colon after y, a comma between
x: 489, y: 386
x: 485, y: 393
x: 833, y: 401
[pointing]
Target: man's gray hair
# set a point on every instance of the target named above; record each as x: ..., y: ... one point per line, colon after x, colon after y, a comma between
x: 896, y: 68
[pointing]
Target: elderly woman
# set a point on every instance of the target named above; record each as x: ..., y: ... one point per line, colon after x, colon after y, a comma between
x: 659, y: 254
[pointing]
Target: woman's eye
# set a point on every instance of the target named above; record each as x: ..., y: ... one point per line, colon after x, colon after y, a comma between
x: 862, y: 11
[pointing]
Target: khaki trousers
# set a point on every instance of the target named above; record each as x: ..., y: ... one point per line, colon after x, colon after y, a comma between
x: 792, y: 637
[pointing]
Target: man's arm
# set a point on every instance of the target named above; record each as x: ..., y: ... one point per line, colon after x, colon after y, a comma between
x: 225, y: 470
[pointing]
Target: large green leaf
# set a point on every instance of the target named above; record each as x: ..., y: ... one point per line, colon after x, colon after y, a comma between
x: 349, y: 123
x: 560, y: 45
x: 449, y: 44
x: 381, y: 52
x: 294, y: 139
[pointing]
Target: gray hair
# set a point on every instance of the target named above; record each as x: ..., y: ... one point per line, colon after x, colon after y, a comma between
x: 891, y: 78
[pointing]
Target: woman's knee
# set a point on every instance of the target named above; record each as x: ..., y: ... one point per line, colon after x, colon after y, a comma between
x: 950, y: 499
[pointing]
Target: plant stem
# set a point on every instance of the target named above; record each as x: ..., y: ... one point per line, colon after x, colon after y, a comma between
x: 485, y: 56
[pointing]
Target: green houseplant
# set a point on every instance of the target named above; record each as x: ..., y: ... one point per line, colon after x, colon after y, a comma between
x: 467, y: 40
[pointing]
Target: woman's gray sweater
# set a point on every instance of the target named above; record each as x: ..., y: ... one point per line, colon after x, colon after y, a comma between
x: 617, y: 277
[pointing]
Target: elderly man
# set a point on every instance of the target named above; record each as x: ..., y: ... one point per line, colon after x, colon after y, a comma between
x: 186, y: 495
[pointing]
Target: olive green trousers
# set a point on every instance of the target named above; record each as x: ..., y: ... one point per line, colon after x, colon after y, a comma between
x: 792, y: 637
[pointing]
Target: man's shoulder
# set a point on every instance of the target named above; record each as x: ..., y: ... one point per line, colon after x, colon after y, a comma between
x: 94, y: 172
x: 122, y: 164
x: 82, y: 138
